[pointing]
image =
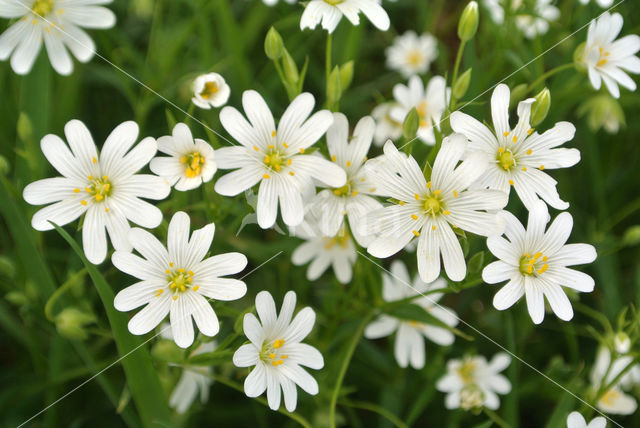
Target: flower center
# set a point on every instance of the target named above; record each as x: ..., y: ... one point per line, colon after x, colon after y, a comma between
x: 610, y: 397
x: 602, y: 57
x: 274, y: 159
x: 536, y: 264
x: 422, y: 113
x: 272, y: 352
x: 505, y: 158
x: 341, y: 239
x: 333, y: 2
x: 193, y: 163
x: 471, y: 397
x: 210, y: 89
x: 42, y: 7
x: 414, y: 57
x: 467, y: 371
x: 99, y: 188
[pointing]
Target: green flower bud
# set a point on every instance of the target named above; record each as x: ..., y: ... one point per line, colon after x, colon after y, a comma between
x: 411, y: 125
x: 290, y: 68
x: 71, y: 323
x: 578, y: 57
x: 603, y: 111
x: 346, y: 75
x: 540, y: 107
x: 518, y: 93
x: 7, y: 267
x: 25, y: 127
x: 462, y: 84
x: 468, y: 24
x: 334, y: 86
x: 621, y: 342
x: 273, y: 45
x: 4, y: 166
x: 17, y: 298
x: 631, y: 236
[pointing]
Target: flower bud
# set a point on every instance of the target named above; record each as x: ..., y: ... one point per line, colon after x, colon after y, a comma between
x: 346, y: 75
x: 621, y: 342
x: 290, y: 68
x: 4, y: 166
x: 411, y: 124
x: 273, y: 45
x: 468, y: 24
x: 540, y: 107
x: 25, y: 127
x: 631, y: 236
x: 462, y: 84
x: 603, y: 111
x: 334, y: 86
x: 7, y: 267
x: 71, y: 323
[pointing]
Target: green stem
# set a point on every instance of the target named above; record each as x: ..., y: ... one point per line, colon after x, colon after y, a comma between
x: 345, y: 365
x: 328, y: 59
x: 435, y: 149
x: 548, y: 74
x: 48, y: 307
x: 597, y: 316
x: 495, y: 418
x: 376, y: 409
x: 234, y: 385
x: 456, y: 68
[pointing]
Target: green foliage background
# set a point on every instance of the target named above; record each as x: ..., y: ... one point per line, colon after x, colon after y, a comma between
x: 165, y: 44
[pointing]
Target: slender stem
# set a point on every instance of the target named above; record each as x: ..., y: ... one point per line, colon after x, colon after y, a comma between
x: 548, y: 74
x: 435, y: 149
x: 328, y: 58
x: 456, y: 68
x: 376, y: 409
x: 234, y: 385
x: 597, y: 316
x: 604, y: 388
x: 343, y: 369
x: 48, y: 307
x: 495, y: 418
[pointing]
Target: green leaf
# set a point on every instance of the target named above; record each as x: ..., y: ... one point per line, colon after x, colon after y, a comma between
x: 476, y: 262
x: 142, y: 379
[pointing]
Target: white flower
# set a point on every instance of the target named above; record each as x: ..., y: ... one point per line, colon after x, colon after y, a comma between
x: 337, y: 251
x: 529, y: 25
x: 429, y: 210
x: 576, y: 420
x: 607, y: 58
x: 194, y: 379
x: 386, y: 127
x: 210, y: 90
x: 330, y: 12
x: 273, y: 2
x: 277, y: 353
x: 621, y: 342
x: 177, y: 280
x: 412, y: 54
x: 190, y: 164
x: 105, y: 186
x: 353, y: 200
x: 430, y: 103
x: 601, y: 3
x: 614, y: 400
x: 409, y: 345
x: 275, y: 159
x: 472, y: 382
x: 518, y: 156
x: 535, y: 263
x: 58, y: 23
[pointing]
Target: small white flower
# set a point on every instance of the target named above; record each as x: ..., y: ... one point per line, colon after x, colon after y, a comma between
x: 529, y: 25
x: 409, y: 344
x: 273, y: 2
x: 535, y: 263
x: 607, y: 58
x: 190, y: 164
x: 210, y: 90
x: 614, y: 400
x: 518, y: 156
x: 621, y: 342
x: 412, y: 54
x: 386, y: 127
x: 576, y: 420
x: 177, y: 280
x: 330, y: 12
x: 430, y: 103
x: 277, y: 353
x: 429, y: 210
x: 194, y: 379
x: 472, y: 382
x: 337, y: 251
x: 275, y: 159
x: 601, y: 3
x: 353, y: 199
x: 56, y: 22
x: 105, y: 186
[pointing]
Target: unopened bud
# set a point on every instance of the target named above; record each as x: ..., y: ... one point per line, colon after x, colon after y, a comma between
x: 25, y: 127
x: 346, y: 75
x: 603, y: 111
x: 621, y: 342
x: 7, y: 267
x: 411, y: 124
x: 462, y: 84
x: 631, y: 236
x: 290, y: 68
x: 334, y: 86
x: 540, y: 107
x: 71, y: 323
x: 4, y: 166
x: 273, y: 45
x: 468, y: 24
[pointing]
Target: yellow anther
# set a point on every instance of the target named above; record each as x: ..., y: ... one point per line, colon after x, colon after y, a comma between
x: 301, y: 150
x: 171, y: 264
x: 196, y: 288
x: 537, y: 255
x: 277, y: 167
x: 105, y: 177
x: 333, y: 158
x: 159, y: 292
x: 83, y: 202
x: 94, y: 160
x: 433, y: 227
x: 288, y: 161
x: 183, y: 159
x: 284, y: 357
x: 271, y: 146
x: 348, y: 163
x: 400, y: 202
x: 515, y: 138
x: 90, y: 177
x: 500, y: 149
x: 506, y: 133
x: 175, y: 297
x: 524, y: 168
x: 278, y: 343
x: 355, y: 193
x: 267, y: 159
x: 601, y: 62
x: 291, y: 173
x: 417, y: 197
x: 266, y: 176
x: 543, y: 269
x: 529, y: 151
x: 541, y: 167
x: 437, y: 192
x: 76, y: 190
x: 86, y: 189
x: 181, y: 270
x: 530, y: 131
x: 256, y: 148
x: 511, y: 182
x: 446, y: 212
x: 415, y: 232
x: 191, y: 273
x: 273, y: 133
x: 413, y: 216
x: 272, y: 355
x: 106, y: 210
x: 285, y: 145
x: 455, y: 193
x: 167, y: 271
x: 545, y: 258
x: 373, y: 189
x: 428, y: 185
x: 99, y: 197
x: 277, y: 363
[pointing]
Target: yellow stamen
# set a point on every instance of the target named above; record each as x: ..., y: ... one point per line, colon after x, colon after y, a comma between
x: 455, y: 193
x: 413, y: 216
x: 355, y: 192
x: 301, y: 150
x: 273, y: 133
x: 175, y: 297
x: 266, y: 176
x: 428, y: 185
x: 159, y: 292
x: 76, y: 190
x: 524, y: 168
x: 530, y: 131
x: 437, y: 192
x: 333, y: 158
x: 348, y: 163
x: 167, y: 271
x: 417, y: 197
x: 256, y: 148
x: 506, y: 133
x: 196, y: 288
x: 83, y: 202
x: 543, y: 269
x: 541, y: 167
x: 94, y: 160
x: 529, y: 151
x: 511, y: 182
x: 278, y: 343
x: 515, y: 138
x: 601, y: 62
x: 446, y: 212
x: 415, y: 232
x: 291, y: 173
x: 433, y: 227
x: 285, y: 145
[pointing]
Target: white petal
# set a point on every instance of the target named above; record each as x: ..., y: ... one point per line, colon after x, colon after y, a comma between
x: 240, y: 180
x: 246, y: 356
x: 181, y: 323
x: 509, y: 294
x: 203, y: 314
x: 535, y: 301
x: 497, y: 271
x: 305, y: 355
x: 222, y: 288
x: 58, y: 55
x: 221, y: 265
x: 558, y: 301
x: 256, y: 382
x: 151, y: 315
x: 301, y: 325
x: 94, y: 238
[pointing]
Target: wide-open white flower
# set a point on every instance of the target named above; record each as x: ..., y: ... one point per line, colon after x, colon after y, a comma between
x: 576, y: 420
x: 409, y: 345
x: 386, y: 127
x: 275, y: 158
x: 194, y: 380
x: 607, y: 58
x: 353, y: 200
x: 190, y: 162
x: 177, y: 280
x: 337, y: 251
x: 330, y: 12
x: 58, y: 23
x: 412, y: 54
x: 429, y: 210
x: 105, y: 186
x: 472, y: 382
x: 277, y: 352
x: 273, y: 2
x: 536, y: 263
x: 210, y: 90
x: 614, y: 400
x: 430, y: 103
x: 518, y: 156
